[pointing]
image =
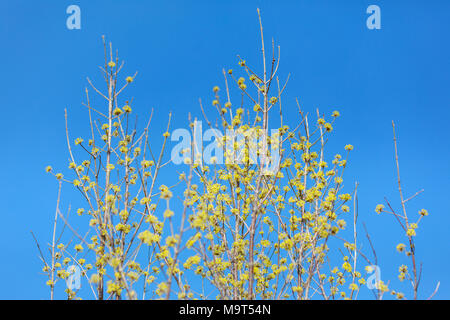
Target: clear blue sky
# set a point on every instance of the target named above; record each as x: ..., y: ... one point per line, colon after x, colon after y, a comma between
x: 400, y: 73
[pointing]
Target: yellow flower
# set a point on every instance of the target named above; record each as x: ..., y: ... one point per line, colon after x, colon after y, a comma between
x: 297, y: 289
x: 382, y: 286
x: 349, y: 147
x: 171, y: 241
x: 403, y: 268
x: 78, y: 141
x: 423, y: 212
x: 265, y: 243
x: 127, y: 108
x: 335, y: 114
x: 191, y: 261
x: 148, y: 238
x: 117, y: 111
x: 123, y: 149
x: 369, y: 269
x: 345, y: 197
x: 216, y: 89
x: 401, y: 247
x: 379, y: 208
x: 111, y: 64
x: 129, y: 79
x: 168, y: 213
x: 347, y: 267
x: 257, y: 108
x: 147, y: 163
x: 166, y: 194
x: 410, y: 232
x: 95, y: 278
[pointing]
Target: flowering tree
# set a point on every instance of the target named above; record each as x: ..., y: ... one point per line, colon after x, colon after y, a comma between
x: 261, y: 214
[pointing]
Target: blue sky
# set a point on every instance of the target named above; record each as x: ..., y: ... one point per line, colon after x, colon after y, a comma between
x: 400, y: 73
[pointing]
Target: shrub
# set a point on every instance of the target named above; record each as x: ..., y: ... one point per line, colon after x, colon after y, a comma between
x: 262, y: 216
